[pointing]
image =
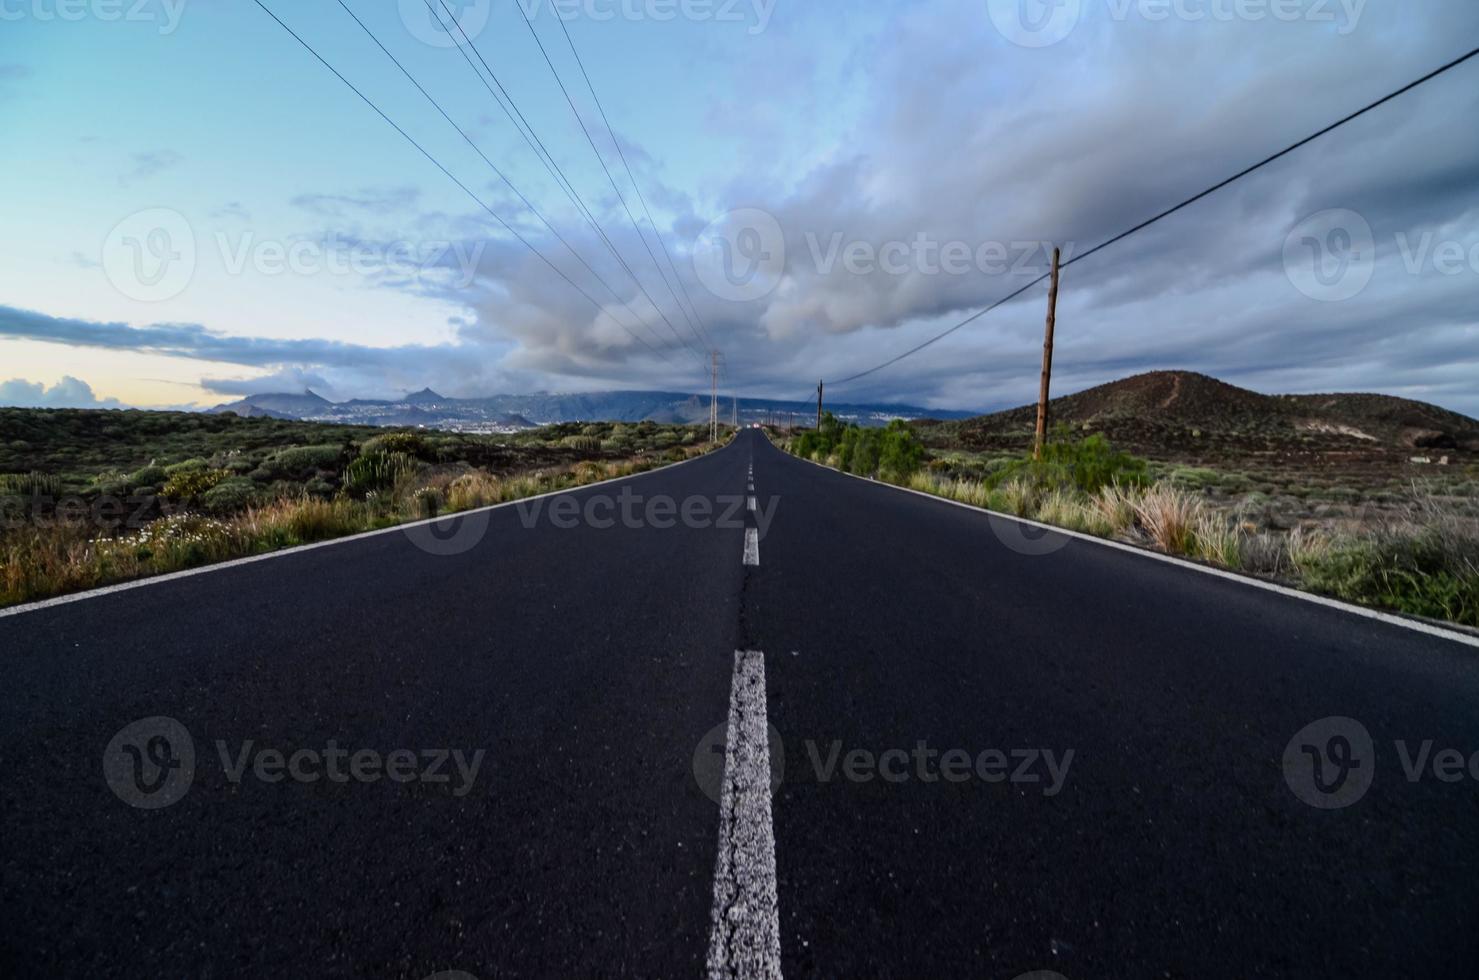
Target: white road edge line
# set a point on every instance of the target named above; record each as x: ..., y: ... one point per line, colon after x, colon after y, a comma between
x: 1390, y: 618
x: 745, y: 940
x: 752, y: 546
x: 140, y: 583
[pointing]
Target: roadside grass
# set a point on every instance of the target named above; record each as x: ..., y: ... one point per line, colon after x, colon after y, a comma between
x: 1412, y: 550
x: 60, y: 554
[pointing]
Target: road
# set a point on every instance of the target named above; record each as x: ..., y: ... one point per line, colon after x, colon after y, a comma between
x: 992, y: 753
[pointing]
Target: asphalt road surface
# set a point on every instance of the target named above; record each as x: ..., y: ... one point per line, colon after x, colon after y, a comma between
x: 535, y: 744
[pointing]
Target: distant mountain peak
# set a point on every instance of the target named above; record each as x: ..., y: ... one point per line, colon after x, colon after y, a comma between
x: 424, y: 397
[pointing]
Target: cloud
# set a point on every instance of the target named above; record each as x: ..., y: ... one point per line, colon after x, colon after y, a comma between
x: 69, y: 392
x: 231, y: 209
x: 288, y: 379
x: 924, y: 121
x: 148, y: 164
x: 373, y: 201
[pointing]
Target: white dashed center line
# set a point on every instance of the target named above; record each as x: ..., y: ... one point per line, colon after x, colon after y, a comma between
x: 745, y: 940
x: 750, y: 502
x: 752, y: 546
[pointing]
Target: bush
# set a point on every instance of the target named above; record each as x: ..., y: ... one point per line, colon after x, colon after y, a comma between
x: 147, y: 476
x: 186, y: 466
x: 1088, y: 465
x: 395, y: 442
x: 229, y: 496
x: 1413, y: 570
x: 377, y: 471
x: 300, y: 462
x: 585, y: 444
x: 30, y: 485
x: 893, y: 453
x: 185, y: 485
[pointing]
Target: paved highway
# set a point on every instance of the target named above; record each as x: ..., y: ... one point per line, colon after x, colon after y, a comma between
x: 848, y: 732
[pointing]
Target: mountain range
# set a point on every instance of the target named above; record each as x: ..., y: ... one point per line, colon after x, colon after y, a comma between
x: 502, y: 413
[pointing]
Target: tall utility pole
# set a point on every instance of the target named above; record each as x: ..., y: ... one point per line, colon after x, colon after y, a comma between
x: 1047, y: 362
x: 819, y: 406
x: 714, y: 398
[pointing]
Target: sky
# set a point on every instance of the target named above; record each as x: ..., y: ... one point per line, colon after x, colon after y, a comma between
x: 198, y: 209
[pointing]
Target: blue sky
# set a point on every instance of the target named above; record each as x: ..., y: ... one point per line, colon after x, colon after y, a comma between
x: 869, y: 139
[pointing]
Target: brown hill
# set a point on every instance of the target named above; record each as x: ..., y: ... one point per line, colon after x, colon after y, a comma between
x: 1183, y: 415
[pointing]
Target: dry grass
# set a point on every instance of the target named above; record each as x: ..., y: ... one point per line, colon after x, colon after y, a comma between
x: 1170, y: 516
x: 41, y: 561
x: 1115, y: 505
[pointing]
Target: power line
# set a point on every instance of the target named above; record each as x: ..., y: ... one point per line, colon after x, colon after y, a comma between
x: 702, y: 327
x: 542, y: 153
x: 599, y: 158
x: 450, y: 176
x: 1166, y: 213
x: 494, y: 167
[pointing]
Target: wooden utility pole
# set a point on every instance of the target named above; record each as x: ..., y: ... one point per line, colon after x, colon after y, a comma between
x: 819, y: 406
x: 714, y: 399
x: 1047, y: 362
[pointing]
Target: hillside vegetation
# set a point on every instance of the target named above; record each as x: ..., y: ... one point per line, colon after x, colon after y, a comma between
x: 92, y: 497
x: 1368, y: 498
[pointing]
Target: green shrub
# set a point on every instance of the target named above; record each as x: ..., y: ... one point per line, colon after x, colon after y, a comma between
x: 894, y: 452
x: 300, y: 462
x: 395, y: 442
x: 30, y: 484
x: 147, y: 476
x: 1088, y: 464
x: 111, y: 484
x: 189, y: 484
x: 585, y: 444
x: 186, y: 466
x: 377, y: 471
x: 229, y: 496
x: 1415, y: 572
